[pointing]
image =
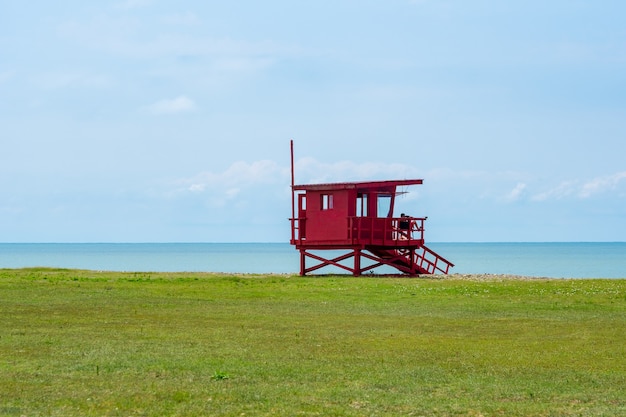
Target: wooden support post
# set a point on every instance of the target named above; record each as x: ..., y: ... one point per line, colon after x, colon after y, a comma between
x: 357, y: 262
x: 302, y: 262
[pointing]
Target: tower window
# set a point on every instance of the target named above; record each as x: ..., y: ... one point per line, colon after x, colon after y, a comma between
x: 327, y: 201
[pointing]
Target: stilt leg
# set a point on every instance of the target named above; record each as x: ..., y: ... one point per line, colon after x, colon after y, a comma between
x: 302, y: 263
x: 357, y: 262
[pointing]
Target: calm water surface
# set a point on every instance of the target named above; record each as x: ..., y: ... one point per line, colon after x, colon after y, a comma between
x: 575, y: 260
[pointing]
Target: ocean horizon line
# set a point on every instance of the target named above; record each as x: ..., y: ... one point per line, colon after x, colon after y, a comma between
x: 287, y: 242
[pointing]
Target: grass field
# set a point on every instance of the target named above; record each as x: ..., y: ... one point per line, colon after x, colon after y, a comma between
x: 84, y: 343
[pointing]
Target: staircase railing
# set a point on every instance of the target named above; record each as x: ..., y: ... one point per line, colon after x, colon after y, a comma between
x: 431, y: 261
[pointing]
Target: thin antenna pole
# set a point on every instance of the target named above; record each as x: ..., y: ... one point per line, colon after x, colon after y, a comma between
x: 293, y: 198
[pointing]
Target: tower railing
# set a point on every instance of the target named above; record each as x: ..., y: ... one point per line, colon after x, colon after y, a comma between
x: 386, y: 231
x: 378, y: 231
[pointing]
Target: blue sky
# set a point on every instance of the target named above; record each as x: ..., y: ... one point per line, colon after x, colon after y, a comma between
x: 155, y: 121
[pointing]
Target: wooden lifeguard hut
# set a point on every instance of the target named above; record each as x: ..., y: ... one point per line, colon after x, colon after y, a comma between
x: 357, y: 220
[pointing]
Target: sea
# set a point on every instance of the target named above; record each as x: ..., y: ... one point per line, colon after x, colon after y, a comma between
x: 553, y: 260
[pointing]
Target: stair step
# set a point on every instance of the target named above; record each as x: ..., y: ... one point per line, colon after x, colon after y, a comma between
x: 425, y: 261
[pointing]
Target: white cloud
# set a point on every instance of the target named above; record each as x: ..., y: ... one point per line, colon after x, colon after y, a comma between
x: 598, y: 185
x: 197, y: 188
x: 248, y: 184
x: 239, y: 175
x: 602, y: 184
x: 179, y: 104
x: 564, y: 189
x: 481, y: 184
x: 238, y: 181
x: 516, y: 193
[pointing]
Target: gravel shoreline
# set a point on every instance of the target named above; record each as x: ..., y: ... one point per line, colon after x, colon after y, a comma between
x: 492, y: 277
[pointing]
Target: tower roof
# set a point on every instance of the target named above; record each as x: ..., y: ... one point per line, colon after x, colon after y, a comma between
x: 385, y: 186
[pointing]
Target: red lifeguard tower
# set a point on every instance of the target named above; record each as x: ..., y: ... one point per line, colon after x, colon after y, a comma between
x: 356, y: 219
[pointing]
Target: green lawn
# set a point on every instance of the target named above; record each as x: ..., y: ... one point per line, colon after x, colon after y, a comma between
x: 84, y: 343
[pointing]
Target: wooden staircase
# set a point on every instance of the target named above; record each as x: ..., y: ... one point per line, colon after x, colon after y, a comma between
x: 413, y: 261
